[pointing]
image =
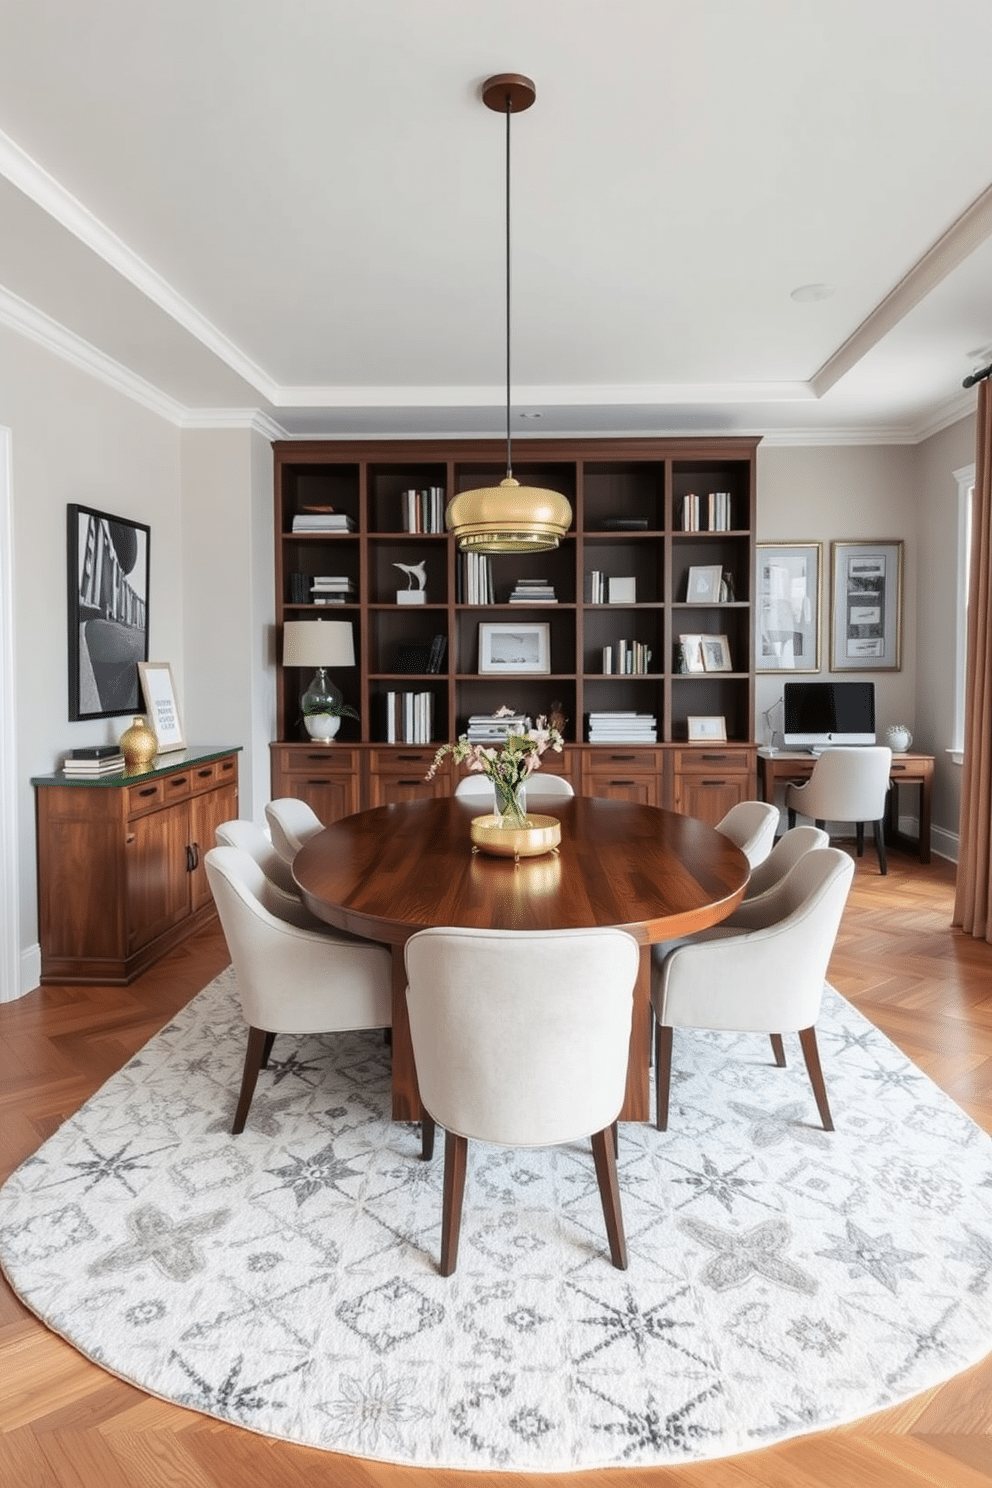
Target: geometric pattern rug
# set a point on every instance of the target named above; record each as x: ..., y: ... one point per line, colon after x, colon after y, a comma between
x: 781, y: 1279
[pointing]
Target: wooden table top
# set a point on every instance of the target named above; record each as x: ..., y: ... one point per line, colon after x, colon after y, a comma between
x: 387, y: 872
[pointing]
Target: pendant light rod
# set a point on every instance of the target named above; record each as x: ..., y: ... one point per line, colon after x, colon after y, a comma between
x: 509, y: 456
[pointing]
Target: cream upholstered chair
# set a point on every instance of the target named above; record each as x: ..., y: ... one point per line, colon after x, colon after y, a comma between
x: 477, y: 784
x: 279, y: 893
x: 752, y: 825
x: 766, y: 978
x: 291, y: 823
x: 789, y: 848
x: 521, y: 1038
x: 291, y: 980
x: 547, y: 783
x: 847, y: 785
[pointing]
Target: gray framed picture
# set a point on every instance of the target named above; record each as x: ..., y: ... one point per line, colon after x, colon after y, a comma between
x: 787, y: 629
x: 866, y: 606
x: 108, y: 570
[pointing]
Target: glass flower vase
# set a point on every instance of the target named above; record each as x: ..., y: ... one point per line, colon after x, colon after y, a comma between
x: 511, y: 804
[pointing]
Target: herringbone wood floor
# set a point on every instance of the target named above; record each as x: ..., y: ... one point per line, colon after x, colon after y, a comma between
x: 64, y: 1423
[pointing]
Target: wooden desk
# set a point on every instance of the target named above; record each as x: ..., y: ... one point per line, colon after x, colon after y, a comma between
x: 389, y: 872
x: 907, y: 769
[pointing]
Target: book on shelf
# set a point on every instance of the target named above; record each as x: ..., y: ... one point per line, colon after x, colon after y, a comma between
x: 628, y: 658
x: 533, y: 591
x: 690, y: 512
x: 719, y: 511
x: 474, y: 579
x: 83, y: 769
x: 299, y: 588
x: 594, y: 587
x: 423, y: 510
x: 438, y: 647
x: 624, y: 524
x: 409, y: 717
x: 323, y: 521
x: 331, y: 589
x: 95, y: 752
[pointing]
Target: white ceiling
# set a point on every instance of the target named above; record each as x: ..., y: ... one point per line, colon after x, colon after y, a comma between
x: 296, y: 207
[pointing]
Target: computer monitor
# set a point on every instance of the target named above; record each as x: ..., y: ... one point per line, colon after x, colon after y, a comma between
x: 818, y: 714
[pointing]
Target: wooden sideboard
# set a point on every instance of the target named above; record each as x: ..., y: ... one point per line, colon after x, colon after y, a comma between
x: 120, y: 862
x: 907, y: 769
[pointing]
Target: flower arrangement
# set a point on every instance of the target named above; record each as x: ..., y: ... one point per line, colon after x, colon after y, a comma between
x: 508, y: 765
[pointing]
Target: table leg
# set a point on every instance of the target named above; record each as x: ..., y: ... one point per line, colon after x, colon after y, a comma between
x: 406, y: 1091
x: 637, y: 1100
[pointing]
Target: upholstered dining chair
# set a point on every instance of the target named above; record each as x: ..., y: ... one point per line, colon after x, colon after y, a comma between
x: 789, y: 848
x: 280, y: 895
x: 765, y: 978
x: 847, y: 785
x: 521, y: 1038
x: 477, y: 784
x: 752, y: 825
x: 291, y: 823
x: 291, y: 980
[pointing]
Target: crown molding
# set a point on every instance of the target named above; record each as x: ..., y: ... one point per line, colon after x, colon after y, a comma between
x: 47, y: 193
x: 41, y: 328
x: 254, y: 419
x: 634, y: 395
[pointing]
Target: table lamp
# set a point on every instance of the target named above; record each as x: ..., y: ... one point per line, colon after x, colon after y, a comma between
x: 320, y: 644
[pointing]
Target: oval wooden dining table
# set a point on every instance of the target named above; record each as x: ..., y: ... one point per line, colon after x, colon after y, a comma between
x: 389, y: 872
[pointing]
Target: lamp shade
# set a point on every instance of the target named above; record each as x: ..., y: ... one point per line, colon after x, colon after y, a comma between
x: 318, y: 643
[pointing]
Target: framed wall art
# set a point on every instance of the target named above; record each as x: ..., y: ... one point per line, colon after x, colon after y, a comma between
x: 108, y: 567
x: 161, y: 707
x: 787, y: 631
x: 866, y: 606
x: 515, y: 649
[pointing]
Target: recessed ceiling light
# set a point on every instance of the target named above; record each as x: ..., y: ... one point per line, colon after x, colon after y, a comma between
x: 807, y: 293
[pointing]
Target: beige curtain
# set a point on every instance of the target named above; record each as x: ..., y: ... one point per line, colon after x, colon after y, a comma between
x: 973, y: 899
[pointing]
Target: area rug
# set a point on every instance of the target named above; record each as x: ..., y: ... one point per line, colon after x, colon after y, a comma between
x: 781, y: 1280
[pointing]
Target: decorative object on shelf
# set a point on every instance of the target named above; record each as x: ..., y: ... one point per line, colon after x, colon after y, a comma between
x: 508, y: 767
x: 557, y: 717
x: 139, y: 745
x: 716, y: 653
x: 108, y: 611
x: 866, y: 606
x: 899, y: 737
x: 515, y: 649
x: 502, y: 837
x: 160, y: 700
x: 509, y: 517
x: 787, y: 635
x: 703, y: 584
x: 623, y: 590
x: 411, y: 595
x: 691, y: 653
x: 320, y: 644
x: 712, y: 729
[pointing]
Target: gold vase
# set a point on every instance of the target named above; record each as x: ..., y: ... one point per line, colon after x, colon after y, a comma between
x: 139, y: 745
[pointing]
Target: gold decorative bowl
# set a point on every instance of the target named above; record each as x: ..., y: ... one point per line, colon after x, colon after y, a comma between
x: 542, y: 834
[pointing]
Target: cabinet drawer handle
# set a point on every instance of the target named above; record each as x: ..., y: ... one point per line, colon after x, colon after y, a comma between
x: 623, y: 756
x: 410, y: 757
x: 206, y: 774
x: 149, y: 790
x: 896, y: 768
x: 189, y: 859
x: 623, y: 782
x: 321, y: 757
x: 129, y: 838
x: 321, y: 781
x: 712, y: 782
x: 176, y: 782
x: 418, y: 781
x: 714, y: 759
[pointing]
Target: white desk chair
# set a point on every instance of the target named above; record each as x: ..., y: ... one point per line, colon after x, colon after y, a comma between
x: 499, y: 1062
x: 848, y: 785
x: 291, y: 980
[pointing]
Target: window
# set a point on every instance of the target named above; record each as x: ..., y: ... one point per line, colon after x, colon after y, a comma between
x: 966, y: 489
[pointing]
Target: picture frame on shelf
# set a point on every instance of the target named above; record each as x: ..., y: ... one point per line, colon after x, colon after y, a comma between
x: 706, y: 729
x: 787, y: 629
x: 716, y: 654
x: 704, y: 583
x: 514, y: 650
x: 107, y: 572
x: 691, y: 653
x: 866, y: 606
x: 161, y: 707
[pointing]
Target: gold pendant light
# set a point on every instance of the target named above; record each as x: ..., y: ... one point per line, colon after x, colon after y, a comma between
x: 508, y: 518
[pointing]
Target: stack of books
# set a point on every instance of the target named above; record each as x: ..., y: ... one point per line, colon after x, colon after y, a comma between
x: 331, y: 589
x: 487, y: 728
x: 423, y: 511
x: 623, y: 728
x: 94, y: 760
x: 409, y: 717
x: 474, y: 579
x: 533, y: 591
x: 630, y: 658
x: 322, y: 519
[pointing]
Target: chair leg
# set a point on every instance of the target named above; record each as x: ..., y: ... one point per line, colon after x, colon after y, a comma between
x: 604, y: 1155
x: 259, y: 1044
x: 859, y: 836
x: 270, y: 1039
x: 879, y: 830
x: 811, y: 1054
x: 427, y: 1129
x: 455, y: 1164
x: 778, y: 1048
x: 662, y: 1074
x: 792, y: 817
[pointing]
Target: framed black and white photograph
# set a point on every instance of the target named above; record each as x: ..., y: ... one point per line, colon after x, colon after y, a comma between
x: 161, y: 707
x: 716, y: 653
x: 108, y: 567
x: 866, y: 606
x: 515, y: 649
x: 788, y: 611
x: 691, y: 653
x: 711, y: 729
x: 703, y: 584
